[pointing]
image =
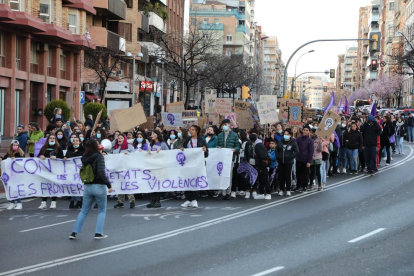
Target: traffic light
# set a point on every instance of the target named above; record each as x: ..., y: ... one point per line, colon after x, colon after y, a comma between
x: 341, y: 86
x: 374, y: 43
x: 245, y: 92
x: 332, y: 73
x: 325, y: 89
x: 374, y: 65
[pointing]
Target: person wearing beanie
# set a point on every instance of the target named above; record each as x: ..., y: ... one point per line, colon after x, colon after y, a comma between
x: 370, y: 132
x: 304, y: 159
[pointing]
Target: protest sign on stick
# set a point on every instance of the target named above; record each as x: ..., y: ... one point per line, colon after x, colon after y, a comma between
x: 98, y: 117
x: 128, y: 119
x: 172, y: 119
x: 223, y: 106
x: 295, y: 114
x: 210, y: 104
x: 267, y: 112
x: 328, y: 125
x: 176, y: 107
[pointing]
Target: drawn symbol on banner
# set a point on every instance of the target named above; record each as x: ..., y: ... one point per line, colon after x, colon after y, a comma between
x: 181, y: 158
x: 5, y: 178
x: 295, y: 112
x: 220, y: 167
x: 328, y: 123
x: 171, y: 118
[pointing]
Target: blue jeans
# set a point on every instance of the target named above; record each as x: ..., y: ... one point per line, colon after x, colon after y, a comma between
x: 342, y: 159
x: 16, y: 201
x: 353, y: 156
x: 400, y: 144
x: 410, y: 134
x: 323, y: 172
x: 91, y: 192
x: 371, y: 157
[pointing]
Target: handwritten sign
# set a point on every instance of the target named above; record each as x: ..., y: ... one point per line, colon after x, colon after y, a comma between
x: 172, y: 119
x: 177, y: 107
x: 309, y: 113
x: 244, y: 119
x: 295, y: 114
x: 189, y: 114
x: 269, y: 98
x: 267, y: 112
x: 210, y: 103
x: 328, y: 125
x: 128, y: 119
x: 138, y: 172
x: 223, y: 106
x: 284, y: 109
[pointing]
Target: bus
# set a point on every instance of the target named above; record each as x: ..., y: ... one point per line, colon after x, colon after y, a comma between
x: 360, y: 103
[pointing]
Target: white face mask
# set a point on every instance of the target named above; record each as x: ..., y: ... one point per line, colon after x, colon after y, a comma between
x: 343, y: 125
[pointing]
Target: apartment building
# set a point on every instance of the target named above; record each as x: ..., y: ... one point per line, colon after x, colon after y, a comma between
x: 408, y: 80
x: 340, y: 71
x: 272, y: 57
x: 363, y: 47
x: 350, y: 69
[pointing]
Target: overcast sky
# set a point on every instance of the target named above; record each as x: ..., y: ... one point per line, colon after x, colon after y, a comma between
x: 296, y: 22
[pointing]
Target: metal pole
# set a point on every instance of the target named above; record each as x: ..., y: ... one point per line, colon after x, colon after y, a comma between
x: 133, y: 82
x: 310, y: 42
x: 162, y: 88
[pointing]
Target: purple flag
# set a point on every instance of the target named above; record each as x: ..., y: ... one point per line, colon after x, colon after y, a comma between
x: 346, y: 109
x: 331, y: 103
x: 374, y: 109
x: 339, y: 106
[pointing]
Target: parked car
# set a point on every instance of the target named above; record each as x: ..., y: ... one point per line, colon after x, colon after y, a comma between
x: 407, y: 111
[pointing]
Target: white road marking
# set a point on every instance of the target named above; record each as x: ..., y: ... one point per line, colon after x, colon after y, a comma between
x: 47, y: 226
x: 122, y: 246
x: 269, y: 271
x: 367, y: 235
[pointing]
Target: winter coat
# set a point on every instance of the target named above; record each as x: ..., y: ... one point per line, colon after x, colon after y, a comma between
x: 212, y: 143
x: 232, y: 142
x: 178, y: 144
x: 89, y: 122
x: 35, y: 136
x: 261, y: 154
x: 317, y: 148
x: 278, y: 137
x: 48, y: 151
x: 97, y: 162
x: 326, y: 145
x: 200, y: 143
x: 410, y: 122
x: 306, y: 148
x: 118, y: 150
x: 16, y: 155
x: 23, y: 138
x: 286, y: 151
x: 273, y: 160
x: 54, y: 118
x: 72, y: 153
x: 370, y: 133
x: 388, y: 130
x: 400, y: 131
x: 354, y: 140
x: 342, y: 133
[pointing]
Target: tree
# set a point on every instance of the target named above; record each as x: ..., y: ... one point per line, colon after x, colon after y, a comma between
x: 50, y: 109
x: 94, y: 109
x: 385, y: 86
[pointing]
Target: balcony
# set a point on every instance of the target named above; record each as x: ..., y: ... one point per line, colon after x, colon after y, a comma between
x: 153, y: 49
x: 101, y: 37
x: 156, y: 21
x: 110, y: 9
x: 241, y: 28
x: 211, y: 27
x: 86, y: 5
x: 348, y: 69
x: 144, y: 23
x: 218, y: 13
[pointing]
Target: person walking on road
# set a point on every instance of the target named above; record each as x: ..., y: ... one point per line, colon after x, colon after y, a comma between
x: 387, y: 138
x: 286, y: 152
x: 400, y: 131
x: 304, y: 159
x: 354, y: 145
x: 96, y: 190
x: 410, y: 128
x: 370, y: 132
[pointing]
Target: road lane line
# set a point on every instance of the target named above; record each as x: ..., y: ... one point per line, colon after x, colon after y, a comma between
x: 367, y: 235
x: 50, y: 225
x: 269, y: 271
x: 180, y: 231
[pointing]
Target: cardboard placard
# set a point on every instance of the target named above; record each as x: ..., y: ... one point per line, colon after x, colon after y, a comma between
x: 177, y: 107
x: 267, y: 112
x: 130, y: 118
x: 172, y: 119
x: 189, y: 114
x: 98, y: 117
x: 295, y: 114
x: 210, y: 104
x: 269, y: 98
x: 188, y: 123
x: 308, y: 113
x: 284, y: 109
x: 113, y: 125
x: 149, y: 124
x: 328, y: 125
x: 223, y: 106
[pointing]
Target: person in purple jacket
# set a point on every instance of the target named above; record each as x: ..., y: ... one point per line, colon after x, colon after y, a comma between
x: 304, y: 159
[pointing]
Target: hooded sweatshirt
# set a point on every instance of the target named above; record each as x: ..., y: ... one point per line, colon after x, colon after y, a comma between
x: 370, y: 132
x: 97, y: 162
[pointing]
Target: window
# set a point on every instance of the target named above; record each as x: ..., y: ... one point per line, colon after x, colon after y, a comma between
x: 229, y: 38
x: 228, y: 53
x: 73, y: 23
x: 205, y: 21
x: 193, y: 21
x: 2, y: 45
x: 45, y: 11
x: 392, y: 6
x: 34, y: 57
x: 205, y: 35
x: 18, y: 53
x: 129, y: 3
x: 62, y: 61
x: 125, y: 30
x: 216, y: 21
x: 15, y: 5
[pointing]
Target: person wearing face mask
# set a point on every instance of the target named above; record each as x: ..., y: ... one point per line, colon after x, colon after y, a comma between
x: 262, y: 161
x: 100, y: 135
x: 279, y: 132
x: 342, y: 132
x: 210, y: 138
x: 400, y: 131
x: 371, y: 130
x: 62, y: 139
x: 172, y: 139
x: 181, y: 136
x: 286, y: 152
x: 304, y: 159
x: 140, y: 144
x: 230, y: 140
x: 52, y: 150
x: 315, y: 168
x: 14, y: 152
x: 75, y: 149
x: 354, y: 145
x: 116, y: 134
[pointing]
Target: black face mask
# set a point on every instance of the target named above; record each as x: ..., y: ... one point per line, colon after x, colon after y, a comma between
x: 253, y: 137
x: 210, y: 134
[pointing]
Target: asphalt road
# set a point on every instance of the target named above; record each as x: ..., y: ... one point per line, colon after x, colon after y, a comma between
x: 360, y: 225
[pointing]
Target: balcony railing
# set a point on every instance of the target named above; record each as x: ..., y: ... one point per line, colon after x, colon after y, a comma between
x: 144, y: 23
x: 114, y: 42
x: 156, y: 21
x: 241, y: 28
x: 111, y: 9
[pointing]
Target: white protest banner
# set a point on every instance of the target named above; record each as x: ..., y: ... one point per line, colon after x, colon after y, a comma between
x: 137, y: 172
x: 223, y: 106
x: 210, y: 104
x: 172, y: 119
x: 267, y: 112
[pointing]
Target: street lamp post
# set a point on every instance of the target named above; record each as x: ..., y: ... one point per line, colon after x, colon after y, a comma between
x: 140, y: 55
x: 294, y: 81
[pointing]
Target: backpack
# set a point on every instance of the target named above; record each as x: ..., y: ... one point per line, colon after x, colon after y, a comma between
x: 86, y: 173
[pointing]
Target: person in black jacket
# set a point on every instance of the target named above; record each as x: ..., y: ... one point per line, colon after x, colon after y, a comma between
x: 62, y: 139
x: 194, y: 140
x: 96, y: 190
x: 400, y: 131
x: 286, y: 152
x: 52, y: 150
x: 354, y: 145
x: 388, y: 131
x: 370, y: 131
x: 261, y: 158
x: 75, y: 149
x: 342, y: 132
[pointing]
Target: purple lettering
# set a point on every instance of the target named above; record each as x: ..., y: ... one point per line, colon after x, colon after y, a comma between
x: 49, y: 188
x: 202, y: 180
x: 135, y: 173
x: 12, y: 165
x: 147, y: 173
x: 34, y: 190
x: 19, y: 190
x: 76, y: 177
x: 172, y: 186
x: 25, y: 165
x: 10, y: 194
x: 77, y: 165
x: 42, y: 187
x: 126, y: 176
x: 64, y: 164
x: 134, y: 184
x: 41, y: 163
x: 111, y: 175
x: 80, y: 188
x: 168, y: 182
x: 73, y: 188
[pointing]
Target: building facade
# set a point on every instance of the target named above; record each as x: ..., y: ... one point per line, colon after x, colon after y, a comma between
x: 350, y: 69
